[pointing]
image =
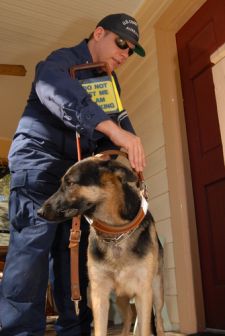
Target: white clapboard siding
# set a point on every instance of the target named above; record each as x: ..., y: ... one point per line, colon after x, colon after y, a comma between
x: 141, y: 97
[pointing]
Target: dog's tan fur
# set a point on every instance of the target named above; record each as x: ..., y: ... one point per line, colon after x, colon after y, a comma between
x: 129, y: 279
x: 124, y: 267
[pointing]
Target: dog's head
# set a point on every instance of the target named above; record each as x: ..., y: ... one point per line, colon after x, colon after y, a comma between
x: 92, y: 187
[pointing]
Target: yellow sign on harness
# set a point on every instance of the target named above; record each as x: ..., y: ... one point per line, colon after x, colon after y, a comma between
x: 103, y: 91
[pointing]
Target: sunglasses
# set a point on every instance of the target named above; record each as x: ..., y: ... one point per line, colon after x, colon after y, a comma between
x: 122, y: 44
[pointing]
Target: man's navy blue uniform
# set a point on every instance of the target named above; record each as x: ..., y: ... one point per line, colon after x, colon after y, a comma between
x: 42, y: 150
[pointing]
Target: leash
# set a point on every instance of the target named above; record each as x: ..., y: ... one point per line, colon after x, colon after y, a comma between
x: 75, y: 234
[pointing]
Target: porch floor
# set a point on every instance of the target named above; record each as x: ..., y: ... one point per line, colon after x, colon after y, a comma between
x: 113, y: 330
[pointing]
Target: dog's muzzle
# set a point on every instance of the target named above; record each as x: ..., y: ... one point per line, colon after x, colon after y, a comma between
x: 48, y: 212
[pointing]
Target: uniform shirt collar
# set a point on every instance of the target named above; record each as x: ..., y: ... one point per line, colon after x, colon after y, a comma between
x: 83, y: 52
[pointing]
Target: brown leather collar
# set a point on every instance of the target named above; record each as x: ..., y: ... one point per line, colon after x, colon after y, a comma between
x: 103, y: 227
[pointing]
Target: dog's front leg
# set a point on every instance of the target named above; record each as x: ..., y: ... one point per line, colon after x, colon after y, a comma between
x: 143, y: 303
x: 100, y: 307
x: 124, y: 306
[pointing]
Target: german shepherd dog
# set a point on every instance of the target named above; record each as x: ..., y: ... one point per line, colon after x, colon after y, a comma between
x: 128, y: 263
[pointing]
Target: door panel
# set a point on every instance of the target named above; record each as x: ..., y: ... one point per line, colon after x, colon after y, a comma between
x: 196, y: 41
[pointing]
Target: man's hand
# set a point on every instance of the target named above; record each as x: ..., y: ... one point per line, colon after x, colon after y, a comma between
x: 130, y: 142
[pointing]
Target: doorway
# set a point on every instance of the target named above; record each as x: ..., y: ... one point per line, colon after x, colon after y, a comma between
x: 196, y: 41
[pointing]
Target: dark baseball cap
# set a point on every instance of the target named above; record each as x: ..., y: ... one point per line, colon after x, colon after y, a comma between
x: 126, y: 27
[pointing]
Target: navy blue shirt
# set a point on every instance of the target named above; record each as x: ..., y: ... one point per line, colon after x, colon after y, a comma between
x: 57, y: 107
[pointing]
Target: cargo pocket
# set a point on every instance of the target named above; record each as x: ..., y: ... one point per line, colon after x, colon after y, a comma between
x: 21, y: 207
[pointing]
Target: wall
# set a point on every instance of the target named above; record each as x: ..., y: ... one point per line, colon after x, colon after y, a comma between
x: 141, y: 97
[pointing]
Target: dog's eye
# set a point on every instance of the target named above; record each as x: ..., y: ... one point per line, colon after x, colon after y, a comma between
x: 68, y: 181
x: 71, y: 183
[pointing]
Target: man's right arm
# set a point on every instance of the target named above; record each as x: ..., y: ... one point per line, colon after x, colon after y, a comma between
x: 65, y: 97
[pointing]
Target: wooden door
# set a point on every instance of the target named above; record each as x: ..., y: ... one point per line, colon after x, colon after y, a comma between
x: 196, y: 41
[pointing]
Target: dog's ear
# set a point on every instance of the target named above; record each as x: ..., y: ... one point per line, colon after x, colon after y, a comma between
x: 121, y: 171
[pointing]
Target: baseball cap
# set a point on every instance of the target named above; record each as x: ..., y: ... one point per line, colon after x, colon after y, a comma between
x: 126, y: 27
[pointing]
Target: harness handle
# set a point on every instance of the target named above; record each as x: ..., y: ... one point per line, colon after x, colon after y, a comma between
x: 75, y: 232
x: 101, y: 65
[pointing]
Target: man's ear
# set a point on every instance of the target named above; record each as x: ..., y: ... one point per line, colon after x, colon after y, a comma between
x: 98, y: 33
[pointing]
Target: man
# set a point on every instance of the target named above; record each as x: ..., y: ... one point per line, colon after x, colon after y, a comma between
x: 42, y: 150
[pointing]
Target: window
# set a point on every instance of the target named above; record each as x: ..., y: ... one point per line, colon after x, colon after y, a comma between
x: 4, y: 197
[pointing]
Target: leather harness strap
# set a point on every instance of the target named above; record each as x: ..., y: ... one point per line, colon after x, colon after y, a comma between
x: 75, y: 234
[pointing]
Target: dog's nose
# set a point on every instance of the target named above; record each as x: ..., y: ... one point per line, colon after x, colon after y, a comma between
x: 40, y: 212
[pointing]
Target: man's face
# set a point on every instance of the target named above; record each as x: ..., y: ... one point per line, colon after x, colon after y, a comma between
x: 107, y: 50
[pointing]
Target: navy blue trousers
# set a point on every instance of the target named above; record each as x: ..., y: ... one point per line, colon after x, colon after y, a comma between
x: 38, y: 251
